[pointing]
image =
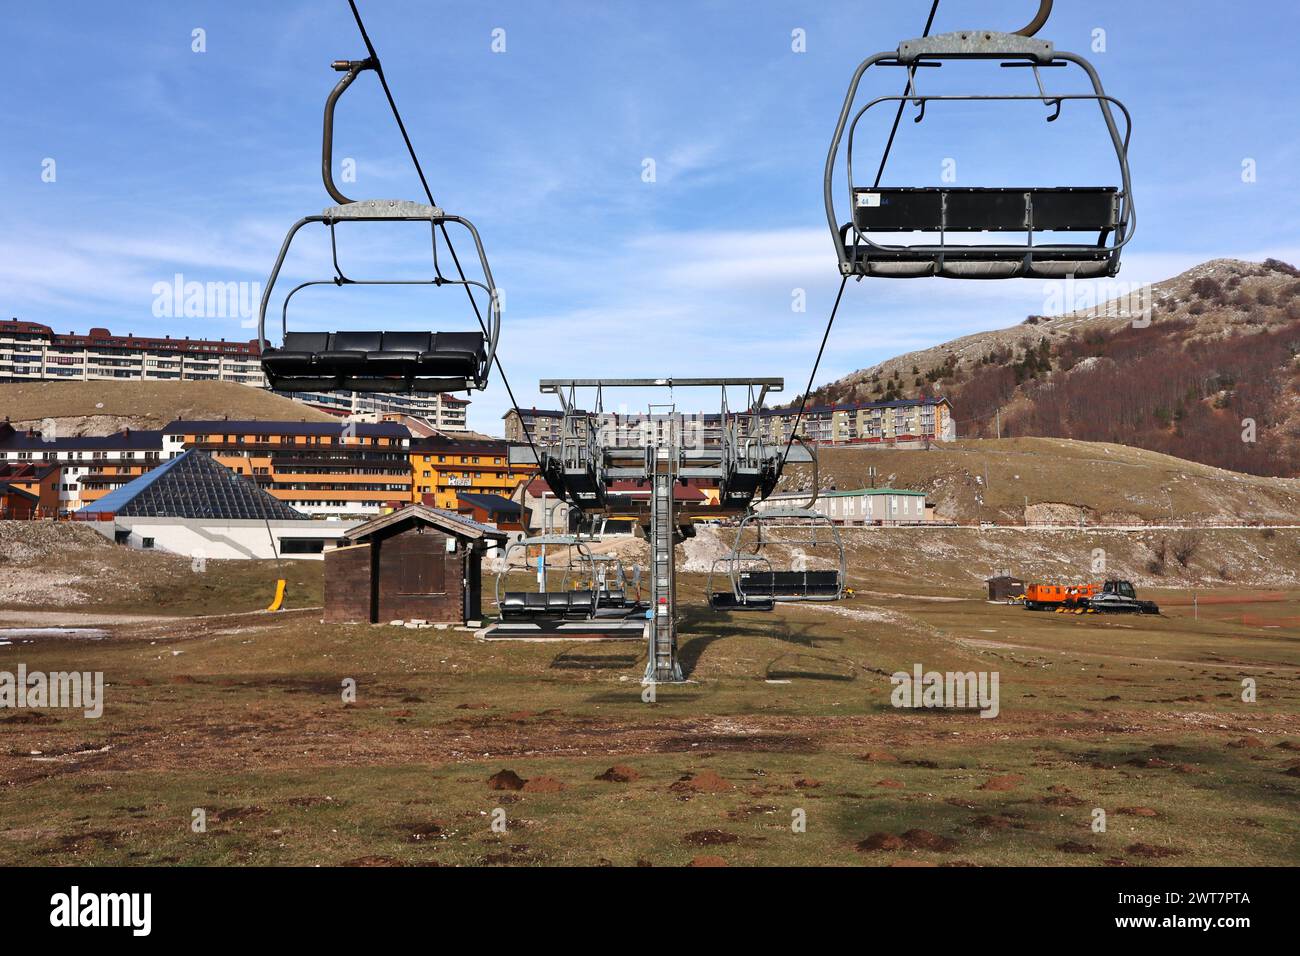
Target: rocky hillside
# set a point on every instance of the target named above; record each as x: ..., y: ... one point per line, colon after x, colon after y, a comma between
x: 1212, y: 378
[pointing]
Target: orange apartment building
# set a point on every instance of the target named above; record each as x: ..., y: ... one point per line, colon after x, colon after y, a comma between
x: 339, y: 469
x: 442, y: 468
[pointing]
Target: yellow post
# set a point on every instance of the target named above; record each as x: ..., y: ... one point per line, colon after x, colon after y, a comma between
x: 279, y: 595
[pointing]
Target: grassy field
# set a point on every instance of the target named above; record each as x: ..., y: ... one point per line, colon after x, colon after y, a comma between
x: 786, y: 716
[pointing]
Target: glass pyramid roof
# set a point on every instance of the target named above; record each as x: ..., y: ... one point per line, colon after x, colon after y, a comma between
x: 193, y: 485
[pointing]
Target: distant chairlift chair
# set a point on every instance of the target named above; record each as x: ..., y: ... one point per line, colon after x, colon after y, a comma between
x: 944, y: 210
x: 374, y: 361
x: 546, y: 604
x: 755, y: 586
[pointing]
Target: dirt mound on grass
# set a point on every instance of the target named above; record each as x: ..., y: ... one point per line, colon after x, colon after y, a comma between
x: 29, y: 717
x: 925, y: 840
x: 619, y: 774
x: 543, y: 784
x: 1136, y: 812
x: 1152, y: 852
x: 881, y: 841
x: 878, y: 756
x: 1070, y: 846
x: 708, y: 861
x: 911, y: 840
x: 368, y: 861
x: 1008, y: 781
x: 706, y: 781
x: 506, y: 780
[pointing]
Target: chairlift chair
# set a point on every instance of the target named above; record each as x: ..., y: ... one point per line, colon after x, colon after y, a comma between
x: 1105, y: 210
x: 379, y: 361
x: 544, y: 603
x: 738, y: 597
x: 753, y: 589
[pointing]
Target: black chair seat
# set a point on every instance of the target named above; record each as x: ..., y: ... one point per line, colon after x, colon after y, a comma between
x: 613, y: 598
x: 288, y: 363
x: 518, y: 604
x: 513, y: 604
x: 348, y: 350
x: 376, y: 361
x: 726, y: 601
x: 399, y: 352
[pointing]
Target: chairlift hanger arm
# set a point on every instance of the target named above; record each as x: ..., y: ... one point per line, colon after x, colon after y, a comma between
x: 350, y: 69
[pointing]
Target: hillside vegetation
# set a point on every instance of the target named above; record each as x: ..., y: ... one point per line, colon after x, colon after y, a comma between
x: 1216, y: 367
x: 101, y: 408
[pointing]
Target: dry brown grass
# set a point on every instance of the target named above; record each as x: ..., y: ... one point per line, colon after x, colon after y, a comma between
x: 108, y: 406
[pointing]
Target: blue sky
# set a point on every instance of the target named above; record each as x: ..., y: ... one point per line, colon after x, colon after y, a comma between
x: 170, y: 161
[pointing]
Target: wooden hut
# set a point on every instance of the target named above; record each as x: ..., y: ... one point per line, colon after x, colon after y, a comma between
x: 1004, y: 587
x: 417, y: 563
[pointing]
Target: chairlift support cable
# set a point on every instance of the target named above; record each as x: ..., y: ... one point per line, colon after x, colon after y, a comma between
x: 803, y: 403
x: 415, y: 160
x: 898, y: 117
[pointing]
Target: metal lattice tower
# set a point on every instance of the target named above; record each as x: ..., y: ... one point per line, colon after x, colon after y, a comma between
x: 661, y: 665
x: 591, y: 466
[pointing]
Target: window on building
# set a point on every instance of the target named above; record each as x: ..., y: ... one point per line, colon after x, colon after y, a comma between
x: 302, y: 545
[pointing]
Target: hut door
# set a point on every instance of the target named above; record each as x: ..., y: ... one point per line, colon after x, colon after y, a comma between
x: 423, y: 567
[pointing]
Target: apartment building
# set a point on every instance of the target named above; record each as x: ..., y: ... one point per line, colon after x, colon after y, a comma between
x: 542, y: 424
x: 444, y: 412
x: 905, y: 423
x: 31, y: 352
x: 319, y: 468
x: 89, y: 467
x: 443, y: 468
x: 860, y: 506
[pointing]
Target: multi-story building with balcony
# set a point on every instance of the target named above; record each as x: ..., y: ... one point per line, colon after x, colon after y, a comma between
x: 442, y: 469
x: 908, y: 422
x: 542, y: 424
x: 319, y: 468
x: 905, y: 423
x: 90, y: 467
x: 32, y: 352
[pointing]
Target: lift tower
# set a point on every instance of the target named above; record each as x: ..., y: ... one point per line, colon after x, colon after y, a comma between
x: 606, y: 463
